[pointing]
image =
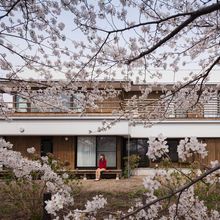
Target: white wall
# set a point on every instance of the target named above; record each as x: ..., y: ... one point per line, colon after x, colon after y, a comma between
x: 81, y: 126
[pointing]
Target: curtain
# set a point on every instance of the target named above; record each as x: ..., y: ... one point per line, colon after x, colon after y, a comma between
x: 86, y: 151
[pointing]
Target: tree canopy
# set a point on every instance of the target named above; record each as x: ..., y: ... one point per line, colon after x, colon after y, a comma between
x: 88, y: 41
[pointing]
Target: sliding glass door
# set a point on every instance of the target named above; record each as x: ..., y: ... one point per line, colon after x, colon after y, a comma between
x: 89, y: 149
x: 107, y: 146
x: 86, y: 151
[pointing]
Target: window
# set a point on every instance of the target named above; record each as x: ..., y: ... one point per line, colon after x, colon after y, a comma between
x: 66, y: 100
x: 21, y: 104
x: 107, y: 146
x: 173, y: 143
x: 77, y: 102
x: 173, y: 155
x: 74, y: 102
x: 138, y: 146
x: 89, y: 149
x: 46, y: 145
x: 142, y: 148
x: 86, y: 151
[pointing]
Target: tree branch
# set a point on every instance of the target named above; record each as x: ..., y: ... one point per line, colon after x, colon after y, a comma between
x: 138, y: 25
x: 193, y: 16
x: 12, y: 7
x: 181, y: 189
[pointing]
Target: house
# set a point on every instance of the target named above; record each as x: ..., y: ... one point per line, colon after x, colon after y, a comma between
x: 68, y: 135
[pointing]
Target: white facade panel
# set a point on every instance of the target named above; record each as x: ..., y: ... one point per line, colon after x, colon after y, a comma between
x: 59, y: 127
x: 178, y: 130
x: 55, y: 126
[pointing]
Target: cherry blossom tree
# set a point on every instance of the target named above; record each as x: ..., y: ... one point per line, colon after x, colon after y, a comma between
x: 67, y: 46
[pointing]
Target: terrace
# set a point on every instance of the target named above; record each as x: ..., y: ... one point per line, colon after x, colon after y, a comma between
x: 140, y: 108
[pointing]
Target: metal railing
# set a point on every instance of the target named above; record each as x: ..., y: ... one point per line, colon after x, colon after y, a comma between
x: 149, y: 107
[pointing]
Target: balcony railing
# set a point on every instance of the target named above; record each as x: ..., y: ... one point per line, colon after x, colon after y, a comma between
x: 149, y: 108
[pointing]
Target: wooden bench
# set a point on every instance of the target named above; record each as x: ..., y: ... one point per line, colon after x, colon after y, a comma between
x: 84, y: 172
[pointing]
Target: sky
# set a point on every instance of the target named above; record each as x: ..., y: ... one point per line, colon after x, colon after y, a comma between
x: 167, y: 75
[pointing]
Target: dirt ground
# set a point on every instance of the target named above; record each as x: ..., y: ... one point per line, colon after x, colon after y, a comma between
x: 120, y: 194
x: 111, y: 185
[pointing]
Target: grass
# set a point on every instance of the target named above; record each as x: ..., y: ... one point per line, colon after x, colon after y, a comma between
x: 121, y: 195
x: 20, y: 200
x: 210, y: 196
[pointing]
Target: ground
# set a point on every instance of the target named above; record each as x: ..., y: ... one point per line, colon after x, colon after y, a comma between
x: 120, y: 194
x: 20, y: 201
x: 112, y: 185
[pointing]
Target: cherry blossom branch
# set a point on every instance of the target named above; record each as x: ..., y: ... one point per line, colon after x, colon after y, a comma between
x: 26, y: 59
x: 217, y: 61
x: 194, y: 15
x: 139, y: 24
x: 12, y: 7
x: 180, y: 190
x: 89, y: 61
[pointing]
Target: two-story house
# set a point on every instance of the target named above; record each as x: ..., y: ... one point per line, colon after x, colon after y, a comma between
x: 68, y: 135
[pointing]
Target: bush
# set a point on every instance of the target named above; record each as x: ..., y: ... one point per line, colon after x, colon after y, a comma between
x: 129, y: 167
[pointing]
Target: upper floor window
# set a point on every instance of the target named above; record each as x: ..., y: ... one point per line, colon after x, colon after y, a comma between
x: 64, y: 103
x: 21, y: 104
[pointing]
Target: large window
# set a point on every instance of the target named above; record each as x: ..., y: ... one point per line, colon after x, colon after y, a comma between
x: 107, y: 146
x: 138, y: 146
x: 86, y: 151
x: 89, y: 148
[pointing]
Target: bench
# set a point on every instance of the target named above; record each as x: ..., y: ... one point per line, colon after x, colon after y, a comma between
x: 84, y: 172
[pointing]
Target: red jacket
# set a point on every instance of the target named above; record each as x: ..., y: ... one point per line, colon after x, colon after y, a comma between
x: 102, y: 164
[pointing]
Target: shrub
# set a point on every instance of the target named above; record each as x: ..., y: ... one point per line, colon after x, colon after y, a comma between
x: 131, y: 163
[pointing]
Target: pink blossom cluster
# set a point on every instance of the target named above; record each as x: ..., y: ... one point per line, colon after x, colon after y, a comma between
x: 190, y: 146
x: 157, y: 147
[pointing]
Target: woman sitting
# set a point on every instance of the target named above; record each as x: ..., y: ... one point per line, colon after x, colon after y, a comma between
x: 102, y: 166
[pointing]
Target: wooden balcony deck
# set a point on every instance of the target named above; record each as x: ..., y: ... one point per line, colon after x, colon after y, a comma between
x: 139, y: 108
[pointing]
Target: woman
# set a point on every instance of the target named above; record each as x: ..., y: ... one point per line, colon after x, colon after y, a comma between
x: 102, y: 167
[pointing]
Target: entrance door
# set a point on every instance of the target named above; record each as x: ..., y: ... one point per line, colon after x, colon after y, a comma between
x: 46, y: 145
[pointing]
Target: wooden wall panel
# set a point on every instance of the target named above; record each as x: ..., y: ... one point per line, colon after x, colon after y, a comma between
x: 213, y: 148
x: 64, y: 149
x: 152, y: 95
x: 217, y: 149
x: 21, y: 143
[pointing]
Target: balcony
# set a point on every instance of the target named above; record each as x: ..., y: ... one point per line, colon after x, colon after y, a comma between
x: 138, y: 108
